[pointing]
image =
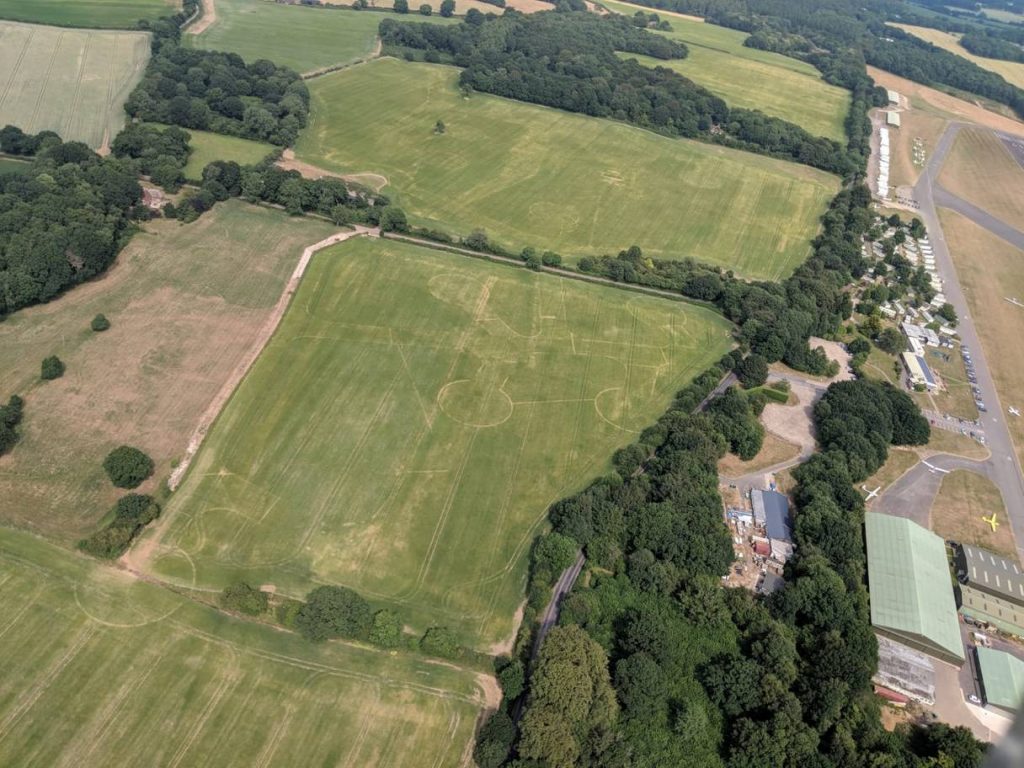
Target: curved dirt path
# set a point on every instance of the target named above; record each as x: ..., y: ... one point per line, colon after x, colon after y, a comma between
x: 374, y: 181
x: 206, y: 20
x: 137, y: 556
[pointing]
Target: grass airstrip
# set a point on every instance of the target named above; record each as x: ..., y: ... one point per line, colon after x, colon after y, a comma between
x: 303, y: 38
x: 530, y: 175
x: 411, y: 421
x: 777, y: 85
x: 185, y: 304
x: 981, y: 169
x: 104, y: 14
x: 72, y: 81
x: 101, y: 669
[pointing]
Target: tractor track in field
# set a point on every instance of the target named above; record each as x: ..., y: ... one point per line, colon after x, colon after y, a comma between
x: 206, y: 20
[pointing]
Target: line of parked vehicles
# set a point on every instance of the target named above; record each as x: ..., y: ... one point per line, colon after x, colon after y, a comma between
x: 972, y: 377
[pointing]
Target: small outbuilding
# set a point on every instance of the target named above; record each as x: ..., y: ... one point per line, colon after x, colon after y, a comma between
x: 892, y: 119
x: 1002, y: 679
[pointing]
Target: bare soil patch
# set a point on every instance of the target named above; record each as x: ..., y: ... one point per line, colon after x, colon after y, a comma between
x: 793, y: 424
x: 288, y: 162
x: 206, y: 19
x: 774, y: 451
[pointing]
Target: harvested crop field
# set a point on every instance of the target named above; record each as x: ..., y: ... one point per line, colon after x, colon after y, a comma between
x: 577, y: 185
x: 71, y: 81
x: 303, y: 38
x: 102, y: 14
x: 185, y: 303
x: 1011, y: 71
x: 411, y: 421
x: 777, y: 85
x: 100, y: 669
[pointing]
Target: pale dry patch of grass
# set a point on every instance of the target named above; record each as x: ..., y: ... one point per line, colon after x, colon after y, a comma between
x: 963, y: 499
x: 774, y: 451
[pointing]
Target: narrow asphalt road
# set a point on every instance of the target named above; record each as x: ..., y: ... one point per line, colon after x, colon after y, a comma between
x: 1002, y: 467
x: 912, y: 495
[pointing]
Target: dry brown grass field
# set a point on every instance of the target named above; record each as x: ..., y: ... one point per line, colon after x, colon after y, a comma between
x: 185, y: 302
x: 1011, y: 71
x: 774, y: 451
x: 981, y: 169
x: 990, y: 271
x: 963, y: 499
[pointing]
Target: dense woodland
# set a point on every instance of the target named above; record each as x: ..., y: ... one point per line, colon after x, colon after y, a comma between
x: 219, y: 92
x: 568, y: 60
x: 64, y: 220
x: 702, y: 675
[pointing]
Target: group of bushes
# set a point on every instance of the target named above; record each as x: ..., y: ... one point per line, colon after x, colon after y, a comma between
x: 332, y: 613
x: 10, y: 418
x: 131, y: 514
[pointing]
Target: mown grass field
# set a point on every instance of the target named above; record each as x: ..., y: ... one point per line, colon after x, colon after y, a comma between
x: 411, y: 421
x: 302, y: 38
x: 1011, y: 71
x: 529, y: 175
x: 10, y: 165
x: 207, y: 147
x: 100, y: 669
x: 104, y: 14
x: 989, y: 272
x: 777, y: 85
x: 185, y: 303
x: 71, y: 81
x: 981, y: 169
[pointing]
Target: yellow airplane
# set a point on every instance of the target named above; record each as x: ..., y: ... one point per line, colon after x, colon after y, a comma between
x: 991, y: 521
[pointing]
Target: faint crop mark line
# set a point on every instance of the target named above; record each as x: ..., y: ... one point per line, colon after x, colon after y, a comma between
x: 427, y: 416
x: 107, y: 717
x: 21, y: 611
x: 364, y: 728
x: 77, y: 98
x: 229, y: 681
x: 43, y: 683
x: 46, y: 79
x: 270, y: 748
x: 584, y: 381
x: 17, y: 67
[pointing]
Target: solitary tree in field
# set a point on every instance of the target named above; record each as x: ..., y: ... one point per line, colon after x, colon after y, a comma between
x: 426, y: 10
x: 127, y: 467
x: 448, y: 8
x: 99, y: 323
x: 401, y: 6
x: 52, y: 368
x: 439, y: 126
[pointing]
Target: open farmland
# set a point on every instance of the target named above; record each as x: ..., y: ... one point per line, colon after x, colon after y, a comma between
x: 103, y: 14
x: 530, y: 175
x: 463, y: 6
x: 989, y: 272
x: 1011, y: 71
x: 411, y: 421
x: 777, y: 85
x: 100, y: 669
x: 981, y: 169
x: 302, y: 38
x: 71, y: 81
x: 185, y: 304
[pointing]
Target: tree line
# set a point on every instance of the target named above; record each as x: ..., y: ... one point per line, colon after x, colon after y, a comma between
x: 568, y: 60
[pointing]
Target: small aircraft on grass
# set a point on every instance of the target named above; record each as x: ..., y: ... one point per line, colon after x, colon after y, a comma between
x: 1014, y: 411
x: 992, y: 521
x: 871, y: 494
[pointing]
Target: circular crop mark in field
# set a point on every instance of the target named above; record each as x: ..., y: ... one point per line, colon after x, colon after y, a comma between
x: 116, y: 598
x: 614, y: 408
x: 475, y: 403
x: 458, y: 290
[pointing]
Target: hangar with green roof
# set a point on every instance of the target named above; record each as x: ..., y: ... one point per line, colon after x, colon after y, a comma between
x: 910, y: 587
x: 1002, y: 679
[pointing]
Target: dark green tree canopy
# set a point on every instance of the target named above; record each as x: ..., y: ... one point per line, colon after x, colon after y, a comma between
x: 127, y: 467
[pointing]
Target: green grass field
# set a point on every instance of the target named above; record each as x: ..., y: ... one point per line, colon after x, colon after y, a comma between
x: 777, y: 85
x: 10, y: 165
x: 104, y: 14
x: 207, y: 147
x: 529, y: 175
x: 100, y: 669
x: 304, y: 39
x: 411, y: 421
x: 71, y: 81
x: 185, y: 303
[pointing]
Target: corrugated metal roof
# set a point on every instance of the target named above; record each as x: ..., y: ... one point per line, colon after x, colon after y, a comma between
x: 995, y: 574
x: 1003, y: 677
x: 909, y: 583
x: 772, y: 509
